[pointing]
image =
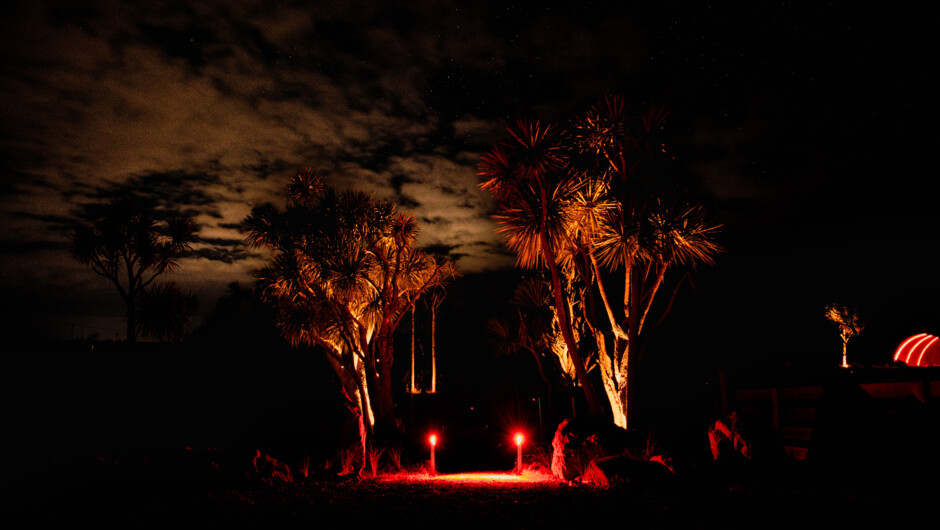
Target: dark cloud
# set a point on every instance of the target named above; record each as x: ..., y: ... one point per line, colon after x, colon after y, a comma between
x: 442, y: 250
x: 27, y: 247
x: 224, y: 255
x: 208, y: 107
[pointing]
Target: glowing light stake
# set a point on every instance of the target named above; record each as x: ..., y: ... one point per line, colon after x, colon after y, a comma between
x: 520, y: 439
x: 433, y: 440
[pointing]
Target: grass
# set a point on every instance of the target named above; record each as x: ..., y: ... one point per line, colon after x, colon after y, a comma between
x: 185, y: 487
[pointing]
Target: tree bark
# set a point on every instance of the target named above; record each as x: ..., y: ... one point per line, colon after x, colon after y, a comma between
x: 433, y: 346
x: 564, y: 322
x: 384, y: 401
x: 412, y: 388
x: 131, y: 320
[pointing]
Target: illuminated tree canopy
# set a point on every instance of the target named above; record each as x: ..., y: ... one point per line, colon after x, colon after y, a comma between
x: 849, y: 324
x: 344, y: 271
x: 593, y: 201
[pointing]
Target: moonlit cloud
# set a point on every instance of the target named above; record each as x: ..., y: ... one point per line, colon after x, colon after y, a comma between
x: 211, y: 106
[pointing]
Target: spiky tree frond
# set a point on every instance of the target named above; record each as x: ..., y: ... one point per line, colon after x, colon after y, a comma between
x: 126, y: 241
x: 531, y: 294
x: 164, y: 310
x: 592, y: 206
x: 538, y: 151
x: 537, y: 154
x: 496, y: 169
x: 602, y: 128
x: 263, y: 226
x: 524, y: 222
x: 618, y: 238
x: 343, y: 269
x: 500, y: 336
x: 682, y: 233
x: 305, y: 187
x: 532, y: 301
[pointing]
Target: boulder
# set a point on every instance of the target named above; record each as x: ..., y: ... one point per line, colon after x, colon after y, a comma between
x: 726, y: 440
x: 573, y: 448
x: 614, y: 470
x: 600, y: 453
x: 269, y: 468
x: 746, y: 451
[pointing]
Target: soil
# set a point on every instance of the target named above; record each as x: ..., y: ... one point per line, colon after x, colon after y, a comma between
x: 190, y: 488
x: 69, y: 420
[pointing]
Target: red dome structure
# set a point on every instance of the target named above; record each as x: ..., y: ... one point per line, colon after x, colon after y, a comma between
x: 919, y: 350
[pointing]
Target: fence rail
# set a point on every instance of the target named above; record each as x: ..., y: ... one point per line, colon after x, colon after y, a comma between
x: 794, y: 411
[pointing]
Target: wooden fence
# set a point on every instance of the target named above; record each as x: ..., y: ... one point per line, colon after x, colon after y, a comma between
x: 793, y: 410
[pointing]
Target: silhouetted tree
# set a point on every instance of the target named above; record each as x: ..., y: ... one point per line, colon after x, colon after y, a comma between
x: 240, y: 318
x: 164, y: 311
x: 130, y: 244
x: 531, y: 327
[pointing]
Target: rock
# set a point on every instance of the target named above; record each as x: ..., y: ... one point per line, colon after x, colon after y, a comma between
x: 270, y: 468
x: 573, y: 449
x: 560, y: 467
x: 746, y: 452
x: 646, y: 474
x: 726, y: 440
x: 597, y: 453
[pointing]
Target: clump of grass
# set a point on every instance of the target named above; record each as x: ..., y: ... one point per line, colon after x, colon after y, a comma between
x: 344, y: 461
x: 394, y: 454
x: 538, y: 459
x: 593, y: 475
x: 374, y: 456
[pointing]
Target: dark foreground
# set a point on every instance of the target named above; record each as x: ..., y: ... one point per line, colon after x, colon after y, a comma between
x: 69, y: 421
x: 176, y: 489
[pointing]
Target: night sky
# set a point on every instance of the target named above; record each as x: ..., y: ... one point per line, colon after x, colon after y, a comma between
x: 808, y: 125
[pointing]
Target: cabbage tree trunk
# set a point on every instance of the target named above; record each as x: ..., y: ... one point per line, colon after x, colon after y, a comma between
x: 355, y: 385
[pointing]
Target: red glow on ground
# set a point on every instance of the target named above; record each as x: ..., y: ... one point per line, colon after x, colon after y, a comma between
x: 920, y: 350
x: 479, y: 477
x: 475, y: 478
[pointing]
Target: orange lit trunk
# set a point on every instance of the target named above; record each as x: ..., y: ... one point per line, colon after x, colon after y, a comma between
x: 383, y: 402
x: 433, y: 349
x: 412, y: 387
x: 564, y: 322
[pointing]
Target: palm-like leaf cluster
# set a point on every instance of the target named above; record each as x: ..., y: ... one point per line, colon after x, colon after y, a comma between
x: 344, y: 271
x: 123, y: 232
x: 125, y: 241
x: 340, y: 260
x: 164, y: 310
x: 531, y: 328
x: 572, y: 200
